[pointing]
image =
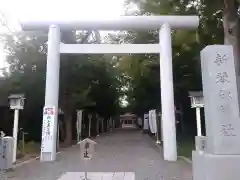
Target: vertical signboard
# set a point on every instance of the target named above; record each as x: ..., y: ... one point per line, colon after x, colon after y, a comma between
x: 145, y: 125
x: 79, y: 123
x: 153, y: 121
x: 49, y: 113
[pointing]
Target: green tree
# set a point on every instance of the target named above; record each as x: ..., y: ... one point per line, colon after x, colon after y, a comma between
x: 187, y: 45
x: 84, y: 80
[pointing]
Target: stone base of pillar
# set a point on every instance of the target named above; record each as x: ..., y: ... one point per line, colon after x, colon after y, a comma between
x: 207, y: 166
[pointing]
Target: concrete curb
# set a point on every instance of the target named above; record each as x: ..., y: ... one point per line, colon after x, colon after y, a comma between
x: 187, y: 160
x: 38, y: 157
x: 28, y: 161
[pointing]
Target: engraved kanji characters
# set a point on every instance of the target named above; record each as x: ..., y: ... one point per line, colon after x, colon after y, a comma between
x: 223, y: 94
x: 227, y: 130
x: 220, y: 59
x: 222, y: 77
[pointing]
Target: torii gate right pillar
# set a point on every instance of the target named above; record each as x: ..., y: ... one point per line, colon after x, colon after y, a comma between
x: 167, y: 95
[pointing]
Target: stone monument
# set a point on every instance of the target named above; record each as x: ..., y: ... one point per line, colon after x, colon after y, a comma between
x: 221, y: 157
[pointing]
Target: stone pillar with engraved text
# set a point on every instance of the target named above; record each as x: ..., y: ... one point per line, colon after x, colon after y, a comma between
x: 221, y: 157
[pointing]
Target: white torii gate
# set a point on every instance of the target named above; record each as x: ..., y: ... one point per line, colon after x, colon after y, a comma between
x: 164, y: 23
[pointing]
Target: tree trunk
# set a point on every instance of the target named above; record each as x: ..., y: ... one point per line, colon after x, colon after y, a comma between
x: 181, y: 119
x: 68, y: 118
x: 61, y: 130
x: 68, y: 128
x: 232, y: 29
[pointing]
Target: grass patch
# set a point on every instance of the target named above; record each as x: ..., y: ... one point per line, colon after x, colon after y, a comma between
x: 185, y: 147
x: 185, y: 144
x: 30, y: 148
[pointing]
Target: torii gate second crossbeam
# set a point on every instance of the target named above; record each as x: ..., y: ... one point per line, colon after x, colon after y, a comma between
x: 164, y: 23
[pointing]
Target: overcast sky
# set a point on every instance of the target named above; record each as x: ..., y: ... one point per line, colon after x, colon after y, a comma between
x: 17, y: 10
x: 31, y: 9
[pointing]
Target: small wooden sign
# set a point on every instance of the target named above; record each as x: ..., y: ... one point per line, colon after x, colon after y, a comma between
x: 87, y: 148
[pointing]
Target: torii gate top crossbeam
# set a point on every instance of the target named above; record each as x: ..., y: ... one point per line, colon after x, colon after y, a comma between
x: 120, y: 23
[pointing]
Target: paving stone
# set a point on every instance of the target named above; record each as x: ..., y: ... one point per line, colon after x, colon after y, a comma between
x: 98, y: 176
x: 117, y: 151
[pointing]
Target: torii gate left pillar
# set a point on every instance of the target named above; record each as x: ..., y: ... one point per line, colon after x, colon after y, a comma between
x: 164, y: 23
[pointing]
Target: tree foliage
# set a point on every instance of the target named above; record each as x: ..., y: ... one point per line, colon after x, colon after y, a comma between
x: 97, y: 82
x: 143, y: 73
x: 85, y: 81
